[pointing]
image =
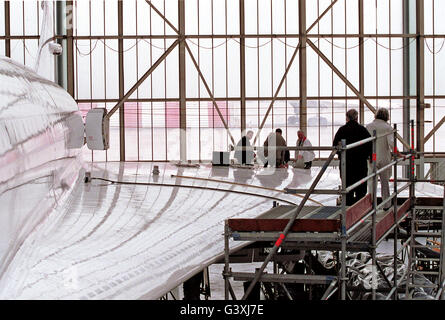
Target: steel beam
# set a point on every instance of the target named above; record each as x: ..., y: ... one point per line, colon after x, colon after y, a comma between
x: 265, y: 98
x: 142, y: 79
x: 442, y: 249
x: 209, y: 92
x: 242, y: 66
x: 226, y: 271
x: 287, y: 70
x: 69, y: 47
x: 341, y: 76
x: 348, y: 83
x: 120, y: 27
x: 182, y: 85
x: 23, y: 37
x: 395, y: 210
x: 302, y: 64
x: 163, y: 17
x: 437, y: 126
x: 60, y: 29
x: 7, y: 29
x: 406, y: 80
x: 420, y: 82
x: 343, y: 235
x: 276, y: 94
x: 361, y: 57
x: 374, y: 216
x: 285, y: 278
x: 236, y: 36
x: 320, y: 17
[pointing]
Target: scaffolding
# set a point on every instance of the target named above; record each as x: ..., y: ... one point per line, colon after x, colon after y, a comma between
x: 426, y: 249
x: 340, y: 229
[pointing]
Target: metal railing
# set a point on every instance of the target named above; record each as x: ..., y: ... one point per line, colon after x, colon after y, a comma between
x: 345, y: 233
x: 341, y: 149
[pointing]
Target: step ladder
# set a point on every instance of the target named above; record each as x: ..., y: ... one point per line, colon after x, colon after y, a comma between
x: 425, y: 270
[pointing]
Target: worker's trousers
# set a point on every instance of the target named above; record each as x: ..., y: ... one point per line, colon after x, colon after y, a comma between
x: 384, y: 183
x: 384, y: 177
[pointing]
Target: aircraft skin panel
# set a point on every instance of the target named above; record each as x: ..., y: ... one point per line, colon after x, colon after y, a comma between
x: 33, y: 114
x: 125, y: 241
x: 37, y: 168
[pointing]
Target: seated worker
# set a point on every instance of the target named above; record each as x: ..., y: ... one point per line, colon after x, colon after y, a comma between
x: 304, y: 156
x: 243, y: 150
x: 275, y: 139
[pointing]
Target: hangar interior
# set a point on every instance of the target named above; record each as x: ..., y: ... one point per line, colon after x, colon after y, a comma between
x: 119, y: 124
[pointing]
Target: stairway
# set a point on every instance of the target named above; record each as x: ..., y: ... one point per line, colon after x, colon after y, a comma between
x: 425, y: 274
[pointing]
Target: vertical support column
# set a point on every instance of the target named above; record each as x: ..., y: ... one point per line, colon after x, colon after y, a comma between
x: 61, y: 61
x: 69, y: 47
x: 409, y: 274
x: 120, y: 28
x: 7, y: 29
x: 343, y: 222
x: 396, y: 229
x: 182, y: 84
x: 361, y: 60
x: 303, y: 68
x: 407, y: 75
x: 374, y: 215
x: 412, y: 157
x: 420, y: 84
x: 65, y: 62
x: 242, y: 66
x: 406, y: 72
x: 226, y: 261
x: 442, y: 251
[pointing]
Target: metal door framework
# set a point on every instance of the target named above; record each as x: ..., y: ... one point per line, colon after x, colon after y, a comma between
x: 305, y: 37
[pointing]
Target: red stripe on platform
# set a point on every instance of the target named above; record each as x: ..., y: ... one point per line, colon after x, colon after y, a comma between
x: 384, y: 224
x: 300, y: 225
x: 388, y: 221
x: 358, y: 210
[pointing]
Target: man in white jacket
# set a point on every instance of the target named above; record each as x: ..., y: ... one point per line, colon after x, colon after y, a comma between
x: 384, y: 147
x: 305, y: 156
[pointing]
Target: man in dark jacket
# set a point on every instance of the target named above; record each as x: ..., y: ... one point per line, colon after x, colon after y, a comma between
x: 276, y: 143
x: 356, y: 158
x: 243, y: 150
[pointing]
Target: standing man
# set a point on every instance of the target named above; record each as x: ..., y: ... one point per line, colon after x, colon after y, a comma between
x: 277, y: 155
x: 305, y: 156
x: 384, y: 147
x: 356, y: 158
x: 243, y: 151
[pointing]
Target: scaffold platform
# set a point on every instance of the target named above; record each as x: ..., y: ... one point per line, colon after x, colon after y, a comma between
x: 318, y: 227
x: 341, y: 229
